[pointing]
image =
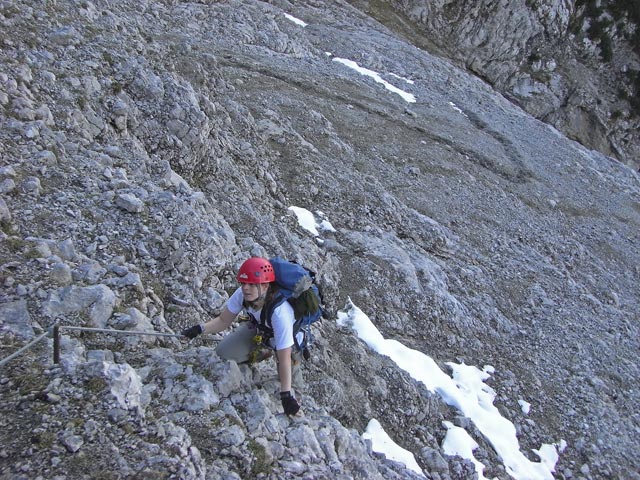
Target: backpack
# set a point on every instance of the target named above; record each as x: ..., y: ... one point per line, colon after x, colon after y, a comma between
x: 296, y: 285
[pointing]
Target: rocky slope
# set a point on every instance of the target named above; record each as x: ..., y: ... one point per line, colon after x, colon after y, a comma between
x: 572, y: 64
x: 149, y: 147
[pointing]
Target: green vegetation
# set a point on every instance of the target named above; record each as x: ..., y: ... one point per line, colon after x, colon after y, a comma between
x: 599, y: 15
x: 261, y: 464
x: 85, y: 465
x: 117, y: 87
x: 30, y: 383
x: 15, y: 244
x: 128, y: 428
x: 606, y: 50
x: 5, y: 227
x: 44, y: 440
x: 616, y: 115
x: 634, y: 100
x: 96, y: 384
x: 600, y: 24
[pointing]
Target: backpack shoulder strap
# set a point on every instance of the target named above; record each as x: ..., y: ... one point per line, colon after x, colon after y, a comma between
x: 267, y: 311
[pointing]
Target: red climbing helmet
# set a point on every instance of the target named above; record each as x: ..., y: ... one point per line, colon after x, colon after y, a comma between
x: 256, y: 270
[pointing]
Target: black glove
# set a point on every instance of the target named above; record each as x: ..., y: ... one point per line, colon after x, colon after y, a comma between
x: 289, y: 403
x: 192, y: 332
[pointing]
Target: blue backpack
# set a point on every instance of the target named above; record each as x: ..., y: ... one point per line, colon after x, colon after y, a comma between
x: 296, y: 285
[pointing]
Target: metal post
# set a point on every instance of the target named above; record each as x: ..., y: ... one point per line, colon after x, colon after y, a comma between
x: 56, y: 344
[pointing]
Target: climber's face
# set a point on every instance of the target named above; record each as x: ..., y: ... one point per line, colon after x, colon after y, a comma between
x: 254, y: 291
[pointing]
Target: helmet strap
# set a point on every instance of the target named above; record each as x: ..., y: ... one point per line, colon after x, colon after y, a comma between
x: 266, y: 290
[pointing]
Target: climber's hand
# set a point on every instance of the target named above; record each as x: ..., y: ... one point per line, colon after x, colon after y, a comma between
x: 289, y: 403
x: 192, y: 332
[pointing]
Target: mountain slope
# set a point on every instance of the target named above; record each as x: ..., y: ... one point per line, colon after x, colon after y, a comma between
x: 572, y: 64
x: 148, y: 148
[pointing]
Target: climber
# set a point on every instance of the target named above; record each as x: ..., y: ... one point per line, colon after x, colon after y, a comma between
x: 246, y: 344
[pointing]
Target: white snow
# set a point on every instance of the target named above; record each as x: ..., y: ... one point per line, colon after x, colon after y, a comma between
x: 381, y: 442
x: 466, y: 390
x: 407, y: 80
x: 307, y: 220
x: 295, y: 20
x: 459, y: 442
x: 408, y: 97
x: 457, y: 109
x: 326, y: 225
